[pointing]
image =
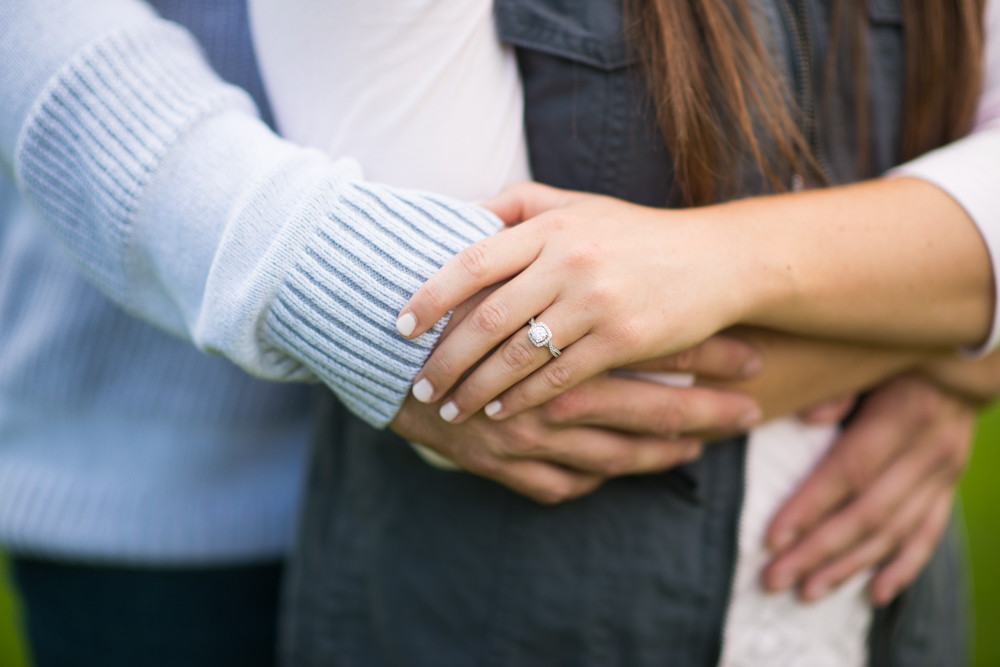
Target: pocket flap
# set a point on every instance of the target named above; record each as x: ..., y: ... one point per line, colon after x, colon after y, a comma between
x: 590, y: 32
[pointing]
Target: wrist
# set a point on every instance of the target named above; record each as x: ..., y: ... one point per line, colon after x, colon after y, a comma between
x: 758, y: 267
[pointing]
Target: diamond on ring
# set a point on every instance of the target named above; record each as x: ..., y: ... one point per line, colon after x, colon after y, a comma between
x: 540, y: 334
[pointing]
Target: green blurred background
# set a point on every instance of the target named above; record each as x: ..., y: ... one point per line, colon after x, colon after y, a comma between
x: 981, y: 504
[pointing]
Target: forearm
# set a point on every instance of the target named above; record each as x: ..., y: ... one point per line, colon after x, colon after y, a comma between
x: 800, y: 372
x: 894, y: 262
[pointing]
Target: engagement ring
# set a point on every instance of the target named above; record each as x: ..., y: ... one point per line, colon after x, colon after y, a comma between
x: 540, y: 335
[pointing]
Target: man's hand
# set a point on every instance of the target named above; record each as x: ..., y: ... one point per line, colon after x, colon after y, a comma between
x: 533, y: 457
x: 605, y: 427
x: 881, y: 496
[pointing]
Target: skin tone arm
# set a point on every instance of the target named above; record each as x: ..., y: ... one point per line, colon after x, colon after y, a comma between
x: 801, y: 372
x: 849, y: 262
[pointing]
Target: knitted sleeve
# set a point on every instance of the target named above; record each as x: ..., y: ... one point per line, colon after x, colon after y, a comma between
x: 185, y: 209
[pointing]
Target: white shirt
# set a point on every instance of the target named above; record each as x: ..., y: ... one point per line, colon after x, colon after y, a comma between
x: 421, y: 92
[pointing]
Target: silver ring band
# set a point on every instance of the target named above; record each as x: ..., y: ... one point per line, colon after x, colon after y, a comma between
x: 540, y: 334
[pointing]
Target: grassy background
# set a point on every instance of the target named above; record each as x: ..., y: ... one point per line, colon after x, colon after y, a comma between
x: 981, y: 504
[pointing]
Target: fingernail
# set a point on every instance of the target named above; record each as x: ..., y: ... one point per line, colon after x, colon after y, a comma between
x: 784, y: 539
x: 492, y: 408
x: 692, y: 454
x: 750, y: 418
x: 423, y: 391
x: 406, y: 324
x: 817, y: 591
x: 752, y: 367
x: 448, y: 411
x: 782, y: 582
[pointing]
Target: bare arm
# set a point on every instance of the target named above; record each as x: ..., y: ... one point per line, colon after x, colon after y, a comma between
x: 893, y: 262
x: 800, y: 372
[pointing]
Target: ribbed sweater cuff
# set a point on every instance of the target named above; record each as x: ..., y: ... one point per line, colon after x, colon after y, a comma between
x: 189, y: 212
x: 368, y: 253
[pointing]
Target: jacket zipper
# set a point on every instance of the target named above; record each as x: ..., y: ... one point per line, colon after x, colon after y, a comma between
x: 796, y: 17
x: 797, y: 20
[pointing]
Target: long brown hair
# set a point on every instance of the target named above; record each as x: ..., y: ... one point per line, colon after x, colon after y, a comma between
x: 719, y: 97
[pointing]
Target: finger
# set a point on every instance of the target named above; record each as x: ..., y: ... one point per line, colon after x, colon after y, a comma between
x: 860, y: 453
x: 636, y: 406
x: 828, y: 412
x: 544, y: 483
x: 827, y: 577
x: 608, y: 454
x: 584, y: 359
x: 515, y: 359
x: 523, y: 201
x: 499, y: 320
x: 865, y: 516
x: 915, y: 553
x: 482, y: 264
x: 720, y: 357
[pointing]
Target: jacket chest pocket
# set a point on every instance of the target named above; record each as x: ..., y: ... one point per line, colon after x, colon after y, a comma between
x: 588, y: 118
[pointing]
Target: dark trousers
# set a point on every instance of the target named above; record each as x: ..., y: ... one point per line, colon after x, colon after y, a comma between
x: 95, y: 616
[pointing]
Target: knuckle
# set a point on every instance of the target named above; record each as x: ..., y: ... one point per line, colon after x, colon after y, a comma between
x: 479, y: 461
x: 584, y: 257
x: 565, y: 407
x: 854, y: 473
x: 870, y: 521
x: 628, y: 333
x: 683, y: 361
x: 524, y: 444
x: 954, y: 452
x: 443, y: 368
x: 517, y: 355
x: 616, y: 463
x: 436, y: 297
x: 475, y: 259
x: 557, y: 491
x: 670, y: 418
x: 555, y: 221
x: 489, y: 318
x: 557, y: 376
x: 926, y: 405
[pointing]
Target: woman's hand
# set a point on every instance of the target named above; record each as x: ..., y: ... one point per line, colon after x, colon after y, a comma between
x: 880, y: 498
x: 614, y: 286
x: 618, y: 283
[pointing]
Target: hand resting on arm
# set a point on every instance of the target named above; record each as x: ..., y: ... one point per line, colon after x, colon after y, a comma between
x: 619, y: 283
x: 606, y: 427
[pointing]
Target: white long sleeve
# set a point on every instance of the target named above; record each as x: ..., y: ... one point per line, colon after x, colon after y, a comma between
x: 969, y: 169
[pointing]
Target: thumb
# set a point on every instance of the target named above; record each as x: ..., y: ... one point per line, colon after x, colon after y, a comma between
x: 523, y: 201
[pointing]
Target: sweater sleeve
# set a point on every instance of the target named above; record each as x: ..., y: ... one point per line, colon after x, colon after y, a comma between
x: 969, y: 169
x: 189, y: 212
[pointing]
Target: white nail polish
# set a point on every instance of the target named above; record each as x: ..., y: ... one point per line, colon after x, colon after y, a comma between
x: 406, y: 324
x: 492, y: 408
x: 449, y: 411
x: 423, y: 391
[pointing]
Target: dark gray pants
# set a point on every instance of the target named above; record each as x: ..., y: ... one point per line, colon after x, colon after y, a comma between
x: 401, y: 564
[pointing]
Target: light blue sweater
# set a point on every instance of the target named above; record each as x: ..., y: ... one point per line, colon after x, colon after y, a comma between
x: 155, y: 215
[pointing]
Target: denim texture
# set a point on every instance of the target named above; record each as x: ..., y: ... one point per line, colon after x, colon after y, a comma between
x: 401, y: 564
